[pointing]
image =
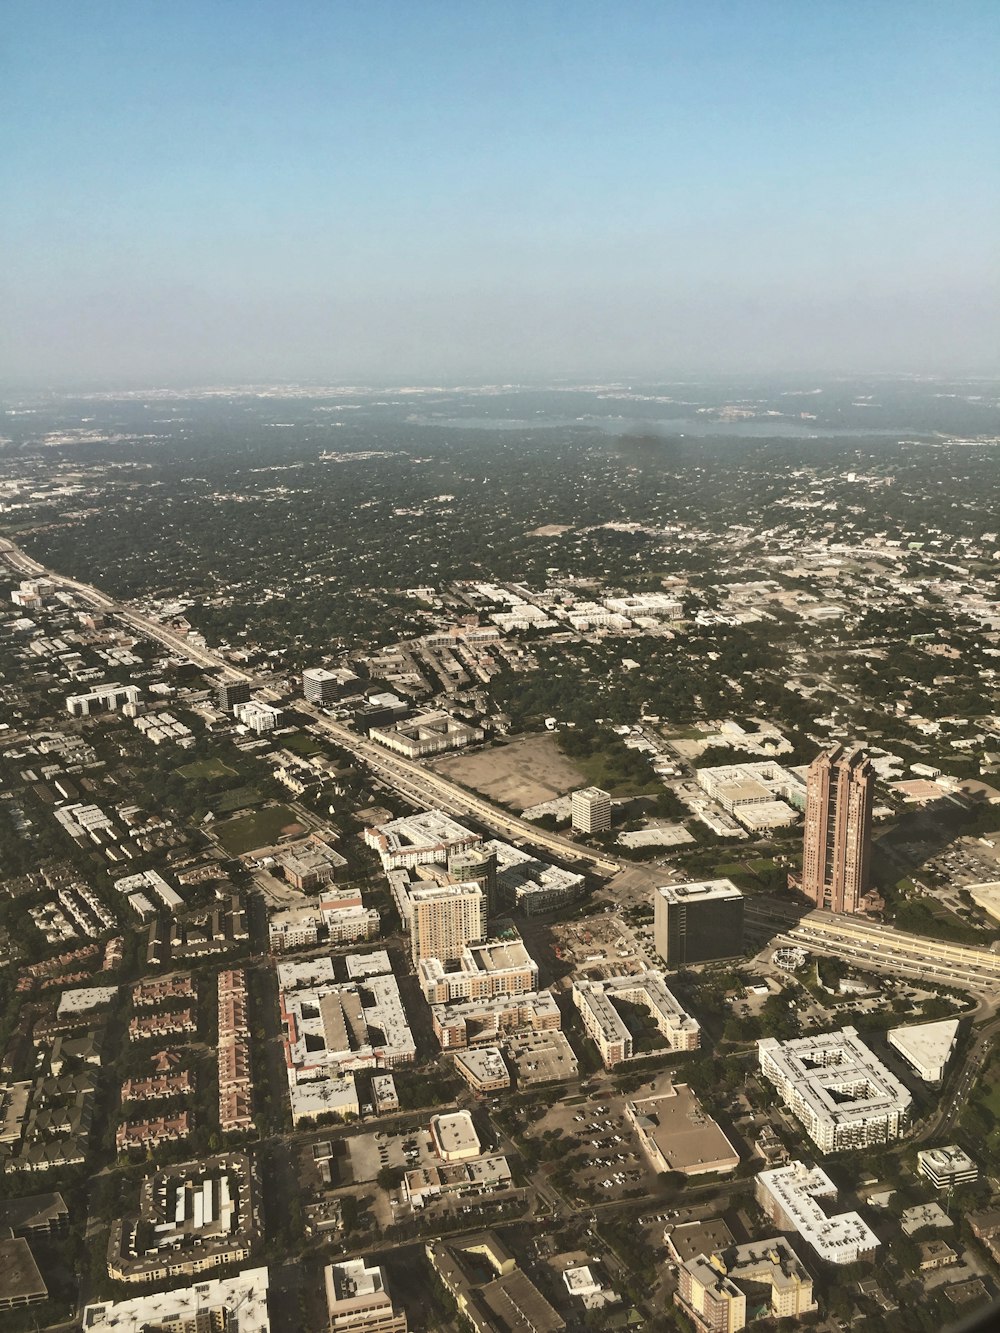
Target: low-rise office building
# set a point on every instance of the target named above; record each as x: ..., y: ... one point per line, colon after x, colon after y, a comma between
x: 428, y: 733
x: 358, y: 1300
x: 947, y: 1167
x: 483, y: 1068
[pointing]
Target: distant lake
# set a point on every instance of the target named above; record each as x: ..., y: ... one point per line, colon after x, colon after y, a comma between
x: 698, y: 427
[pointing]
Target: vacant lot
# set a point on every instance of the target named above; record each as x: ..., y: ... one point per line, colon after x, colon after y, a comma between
x: 261, y: 829
x: 206, y: 770
x: 524, y: 772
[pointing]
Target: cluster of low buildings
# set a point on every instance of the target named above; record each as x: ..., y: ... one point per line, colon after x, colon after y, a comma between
x: 191, y: 1218
x: 335, y: 1028
x: 598, y: 1004
x: 234, y: 1062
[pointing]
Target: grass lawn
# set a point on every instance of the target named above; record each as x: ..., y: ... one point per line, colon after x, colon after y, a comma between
x: 206, y: 770
x: 261, y: 829
x: 239, y: 799
x: 301, y: 743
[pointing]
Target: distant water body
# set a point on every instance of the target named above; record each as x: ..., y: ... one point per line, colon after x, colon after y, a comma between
x: 697, y: 427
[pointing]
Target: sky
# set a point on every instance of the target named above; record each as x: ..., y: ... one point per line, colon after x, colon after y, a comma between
x: 459, y: 191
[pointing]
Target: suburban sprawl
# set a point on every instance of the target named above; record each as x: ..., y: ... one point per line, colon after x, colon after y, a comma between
x: 500, y: 859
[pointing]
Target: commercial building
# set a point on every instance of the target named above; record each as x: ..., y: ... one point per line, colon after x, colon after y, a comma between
x: 590, y: 808
x: 430, y: 838
x: 483, y: 1068
x: 926, y: 1046
x: 429, y: 733
x: 454, y: 1136
x: 358, y: 1300
x: 473, y: 1178
x: 722, y: 1292
x: 604, y: 1024
x: 788, y: 1196
x: 843, y: 1095
x: 445, y: 919
x: 236, y: 1304
x: 229, y: 693
x: 191, y: 1218
x: 491, y: 1292
x: 478, y: 865
x: 947, y: 1167
x: 481, y: 972
x: 324, y: 687
x: 676, y: 1134
x: 694, y: 923
x: 384, y: 1094
x: 836, y: 855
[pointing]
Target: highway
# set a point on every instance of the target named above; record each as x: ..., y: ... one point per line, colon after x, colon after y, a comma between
x: 416, y: 783
x: 431, y: 789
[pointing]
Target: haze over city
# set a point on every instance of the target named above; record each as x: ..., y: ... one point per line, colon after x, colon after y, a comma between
x: 460, y: 193
x: 499, y: 668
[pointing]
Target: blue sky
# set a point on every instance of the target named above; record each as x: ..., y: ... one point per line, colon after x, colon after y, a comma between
x: 460, y: 190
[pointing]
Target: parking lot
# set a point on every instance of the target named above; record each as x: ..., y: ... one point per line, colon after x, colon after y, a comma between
x: 367, y: 1154
x: 600, y: 1149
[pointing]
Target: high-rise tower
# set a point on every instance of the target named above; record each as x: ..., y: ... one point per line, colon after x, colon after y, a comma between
x: 836, y: 854
x: 444, y: 919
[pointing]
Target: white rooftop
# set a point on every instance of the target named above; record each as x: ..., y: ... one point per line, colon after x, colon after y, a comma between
x: 700, y: 891
x: 927, y: 1046
x: 88, y: 997
x: 795, y: 1187
x: 241, y: 1302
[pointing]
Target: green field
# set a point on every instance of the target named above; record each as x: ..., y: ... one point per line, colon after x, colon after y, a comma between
x: 301, y: 743
x: 241, y: 798
x: 261, y: 829
x: 206, y: 770
x: 600, y: 772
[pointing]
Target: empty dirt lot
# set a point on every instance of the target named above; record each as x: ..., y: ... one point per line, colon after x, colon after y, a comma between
x: 521, y: 773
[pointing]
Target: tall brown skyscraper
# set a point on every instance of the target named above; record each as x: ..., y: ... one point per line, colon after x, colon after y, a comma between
x: 837, y: 853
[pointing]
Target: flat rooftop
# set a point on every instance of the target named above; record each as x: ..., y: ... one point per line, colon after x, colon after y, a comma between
x: 20, y: 1279
x: 688, y: 1138
x: 700, y: 891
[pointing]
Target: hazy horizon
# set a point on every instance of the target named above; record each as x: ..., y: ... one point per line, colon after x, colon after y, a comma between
x: 256, y: 193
